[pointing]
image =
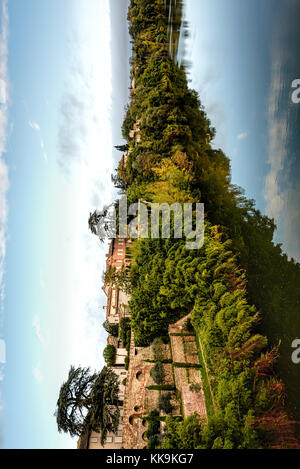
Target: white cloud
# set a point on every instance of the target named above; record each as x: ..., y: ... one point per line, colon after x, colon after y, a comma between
x: 242, y: 135
x: 37, y: 373
x: 277, y: 130
x: 42, y: 144
x: 38, y: 330
x: 3, y: 92
x: 281, y: 189
x: 2, y: 351
x: 34, y: 126
x: 85, y: 146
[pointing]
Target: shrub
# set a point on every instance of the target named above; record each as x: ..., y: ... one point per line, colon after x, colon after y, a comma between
x: 126, y: 364
x: 152, y: 442
x: 184, y: 434
x: 157, y: 373
x: 125, y: 332
x: 153, y: 424
x: 111, y: 329
x: 161, y: 387
x: 109, y: 354
x: 157, y: 348
x: 164, y: 403
x: 195, y: 387
x: 187, y: 365
x: 188, y: 325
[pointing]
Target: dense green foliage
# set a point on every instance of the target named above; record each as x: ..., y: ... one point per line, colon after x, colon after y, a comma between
x: 126, y: 364
x: 109, y: 354
x: 151, y: 311
x: 153, y: 430
x: 182, y: 434
x: 157, y: 373
x: 104, y: 414
x: 164, y: 403
x: 111, y: 329
x: 125, y: 332
x: 209, y: 283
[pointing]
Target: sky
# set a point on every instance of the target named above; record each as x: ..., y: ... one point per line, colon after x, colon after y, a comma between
x: 64, y: 78
x: 244, y: 56
x: 57, y: 157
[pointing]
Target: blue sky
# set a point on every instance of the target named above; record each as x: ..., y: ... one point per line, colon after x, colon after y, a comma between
x: 244, y: 56
x: 231, y: 73
x: 63, y: 85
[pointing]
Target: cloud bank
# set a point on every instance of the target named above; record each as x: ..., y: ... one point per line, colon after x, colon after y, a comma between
x: 85, y: 146
x: 35, y: 126
x: 281, y: 190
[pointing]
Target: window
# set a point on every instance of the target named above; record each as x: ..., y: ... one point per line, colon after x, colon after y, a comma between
x: 94, y: 439
x: 109, y: 439
x: 118, y: 439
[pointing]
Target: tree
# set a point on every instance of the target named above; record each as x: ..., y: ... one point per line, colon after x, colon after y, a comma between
x: 119, y: 278
x: 125, y: 332
x: 104, y: 413
x: 122, y: 147
x: 157, y: 373
x: 88, y: 402
x: 94, y: 219
x: 111, y: 329
x: 164, y: 403
x: 109, y: 354
x: 184, y: 434
x: 103, y: 224
x: 74, y: 401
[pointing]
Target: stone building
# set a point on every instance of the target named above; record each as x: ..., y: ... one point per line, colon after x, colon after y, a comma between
x: 117, y: 300
x: 116, y: 309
